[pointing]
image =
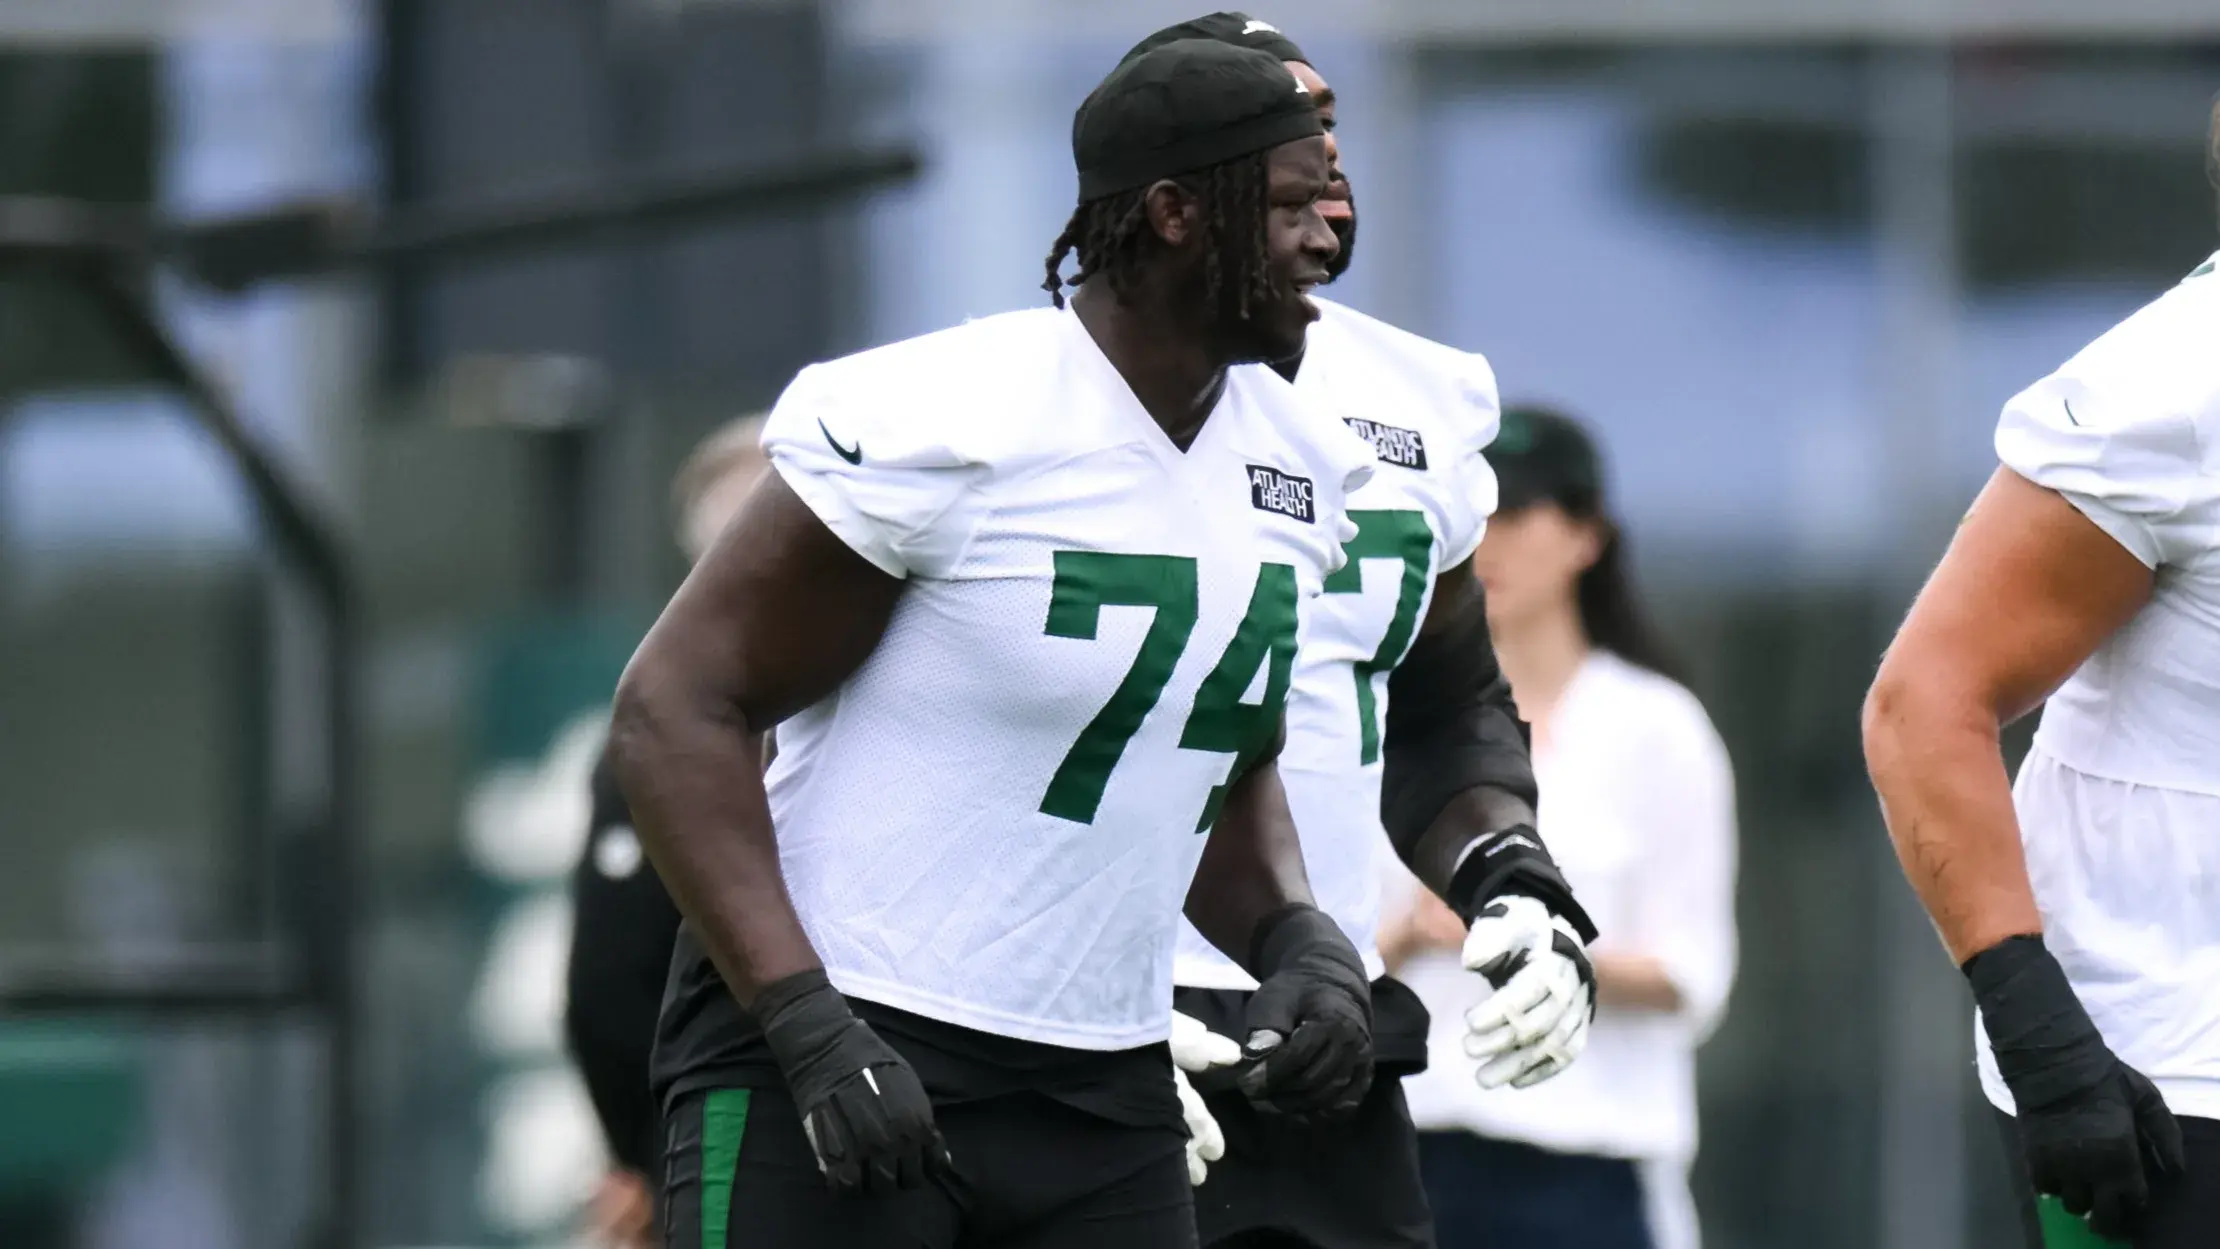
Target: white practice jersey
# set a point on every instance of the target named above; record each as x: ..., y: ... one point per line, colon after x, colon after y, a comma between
x: 2119, y: 800
x: 1428, y: 411
x: 995, y: 820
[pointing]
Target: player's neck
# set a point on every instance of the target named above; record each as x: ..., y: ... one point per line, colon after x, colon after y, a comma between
x: 1540, y: 655
x: 1172, y: 372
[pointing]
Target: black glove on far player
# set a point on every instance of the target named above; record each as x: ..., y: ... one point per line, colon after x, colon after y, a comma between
x: 863, y: 1108
x: 2095, y: 1131
x: 1309, y: 1024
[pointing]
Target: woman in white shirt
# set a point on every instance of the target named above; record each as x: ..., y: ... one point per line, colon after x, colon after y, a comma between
x: 2083, y: 899
x: 1637, y: 803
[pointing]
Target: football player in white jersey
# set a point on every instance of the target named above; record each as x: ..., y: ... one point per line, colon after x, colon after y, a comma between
x: 1021, y: 598
x: 1400, y: 721
x: 2082, y: 898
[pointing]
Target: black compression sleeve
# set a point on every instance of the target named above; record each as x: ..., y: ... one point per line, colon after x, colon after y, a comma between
x: 1454, y: 736
x: 1451, y: 726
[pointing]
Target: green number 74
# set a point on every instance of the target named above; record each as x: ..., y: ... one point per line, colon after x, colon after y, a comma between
x: 1088, y: 581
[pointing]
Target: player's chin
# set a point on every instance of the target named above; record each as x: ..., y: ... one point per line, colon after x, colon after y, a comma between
x: 1278, y: 334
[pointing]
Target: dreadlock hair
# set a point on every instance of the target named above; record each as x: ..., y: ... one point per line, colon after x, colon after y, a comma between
x: 1112, y: 238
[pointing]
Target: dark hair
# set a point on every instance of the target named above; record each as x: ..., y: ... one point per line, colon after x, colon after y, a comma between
x: 1546, y: 456
x: 1112, y: 237
x: 1611, y: 613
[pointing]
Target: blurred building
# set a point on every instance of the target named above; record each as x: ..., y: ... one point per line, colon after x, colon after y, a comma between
x: 1789, y: 259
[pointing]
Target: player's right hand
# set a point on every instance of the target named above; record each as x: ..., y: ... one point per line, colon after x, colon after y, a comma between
x: 863, y: 1108
x: 2095, y: 1131
x: 1196, y: 1048
x: 1535, y: 1021
x: 1309, y: 1024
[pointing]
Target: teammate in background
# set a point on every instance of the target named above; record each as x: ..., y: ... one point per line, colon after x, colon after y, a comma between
x: 1006, y: 598
x: 1638, y: 799
x: 623, y: 920
x: 1399, y: 717
x: 2082, y: 900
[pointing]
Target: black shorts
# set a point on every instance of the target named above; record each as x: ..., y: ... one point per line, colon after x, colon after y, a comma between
x: 1034, y: 1174
x: 2184, y: 1212
x: 1350, y: 1184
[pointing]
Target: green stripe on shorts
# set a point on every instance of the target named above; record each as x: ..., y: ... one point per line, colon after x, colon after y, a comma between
x: 724, y: 1120
x: 2065, y: 1230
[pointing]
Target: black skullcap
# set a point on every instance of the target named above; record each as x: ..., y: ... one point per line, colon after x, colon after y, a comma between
x: 1541, y: 455
x: 1238, y: 29
x: 1183, y: 106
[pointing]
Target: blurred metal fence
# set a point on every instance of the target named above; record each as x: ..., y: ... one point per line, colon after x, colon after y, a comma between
x: 1937, y: 200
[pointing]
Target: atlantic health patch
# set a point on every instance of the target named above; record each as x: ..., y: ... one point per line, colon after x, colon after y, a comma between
x: 1274, y: 491
x: 1401, y: 447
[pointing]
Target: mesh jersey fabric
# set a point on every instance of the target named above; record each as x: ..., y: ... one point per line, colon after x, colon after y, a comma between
x: 960, y: 838
x: 2120, y: 795
x: 1430, y: 411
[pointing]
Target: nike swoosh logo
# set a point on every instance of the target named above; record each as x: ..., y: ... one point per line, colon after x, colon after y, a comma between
x: 853, y: 457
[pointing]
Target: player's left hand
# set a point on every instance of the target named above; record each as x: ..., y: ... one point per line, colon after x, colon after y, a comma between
x: 1536, y: 1022
x: 863, y: 1108
x: 1196, y: 1048
x: 1309, y: 1024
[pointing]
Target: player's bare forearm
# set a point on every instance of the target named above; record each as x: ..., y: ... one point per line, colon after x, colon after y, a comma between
x: 1634, y: 982
x: 1252, y: 865
x: 1938, y: 766
x: 774, y: 617
x: 1472, y: 816
x: 2028, y: 590
x: 1457, y: 761
x: 699, y: 807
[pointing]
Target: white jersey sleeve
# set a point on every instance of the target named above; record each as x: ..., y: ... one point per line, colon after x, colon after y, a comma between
x: 2123, y: 429
x: 1477, y: 412
x: 883, y: 475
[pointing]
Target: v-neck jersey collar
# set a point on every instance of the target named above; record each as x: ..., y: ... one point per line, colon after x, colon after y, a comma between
x: 1118, y: 393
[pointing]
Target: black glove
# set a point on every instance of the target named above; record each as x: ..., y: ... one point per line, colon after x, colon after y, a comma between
x: 862, y: 1106
x: 1309, y: 1024
x: 2094, y: 1129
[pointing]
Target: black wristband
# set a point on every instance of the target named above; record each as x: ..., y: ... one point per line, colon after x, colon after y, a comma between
x: 1296, y: 926
x: 1264, y: 952
x: 2045, y: 1045
x: 781, y: 996
x: 1515, y: 861
x: 802, y: 1017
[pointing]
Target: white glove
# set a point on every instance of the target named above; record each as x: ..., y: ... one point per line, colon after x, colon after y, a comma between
x: 1536, y: 1021
x: 1196, y: 1048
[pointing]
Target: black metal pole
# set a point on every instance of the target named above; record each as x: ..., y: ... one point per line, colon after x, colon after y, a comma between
x: 324, y: 236
x: 310, y: 541
x: 105, y: 248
